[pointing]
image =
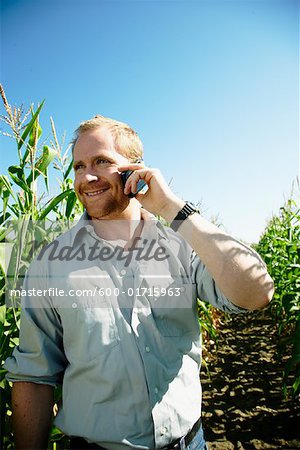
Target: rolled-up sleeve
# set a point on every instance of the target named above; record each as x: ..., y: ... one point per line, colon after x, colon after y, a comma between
x: 208, y: 290
x: 39, y: 357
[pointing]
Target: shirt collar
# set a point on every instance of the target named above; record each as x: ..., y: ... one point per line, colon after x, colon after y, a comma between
x: 152, y: 226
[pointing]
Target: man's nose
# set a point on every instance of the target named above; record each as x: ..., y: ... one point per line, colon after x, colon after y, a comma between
x: 91, y: 177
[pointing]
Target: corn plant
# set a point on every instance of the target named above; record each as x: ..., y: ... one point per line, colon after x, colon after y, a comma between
x: 280, y: 248
x: 27, y: 210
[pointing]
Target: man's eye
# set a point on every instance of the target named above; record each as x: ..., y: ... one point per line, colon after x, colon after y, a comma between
x: 101, y: 161
x: 78, y: 166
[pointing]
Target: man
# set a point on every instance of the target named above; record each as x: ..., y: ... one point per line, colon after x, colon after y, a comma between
x: 124, y: 339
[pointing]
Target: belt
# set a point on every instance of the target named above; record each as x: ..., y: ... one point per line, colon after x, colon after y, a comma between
x: 187, y: 439
x: 80, y: 443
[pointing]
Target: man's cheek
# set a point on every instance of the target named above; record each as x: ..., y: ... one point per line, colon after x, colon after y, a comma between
x: 76, y: 187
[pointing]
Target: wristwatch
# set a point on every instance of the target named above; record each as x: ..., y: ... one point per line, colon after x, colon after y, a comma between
x: 185, y: 212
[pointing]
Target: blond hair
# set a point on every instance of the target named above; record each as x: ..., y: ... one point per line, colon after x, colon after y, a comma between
x: 126, y: 140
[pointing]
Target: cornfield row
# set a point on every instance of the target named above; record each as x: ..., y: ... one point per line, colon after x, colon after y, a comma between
x: 280, y: 248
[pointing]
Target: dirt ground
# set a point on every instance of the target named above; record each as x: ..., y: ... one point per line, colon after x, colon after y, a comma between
x: 243, y: 404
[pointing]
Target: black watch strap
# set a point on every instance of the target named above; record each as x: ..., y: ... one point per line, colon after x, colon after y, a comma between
x: 185, y: 212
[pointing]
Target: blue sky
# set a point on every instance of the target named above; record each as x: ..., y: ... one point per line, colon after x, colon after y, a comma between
x: 210, y: 86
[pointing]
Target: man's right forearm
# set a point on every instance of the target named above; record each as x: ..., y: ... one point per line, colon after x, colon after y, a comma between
x: 32, y: 406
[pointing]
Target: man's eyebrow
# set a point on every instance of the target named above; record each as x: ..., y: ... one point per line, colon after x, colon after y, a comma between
x: 75, y: 163
x: 100, y: 155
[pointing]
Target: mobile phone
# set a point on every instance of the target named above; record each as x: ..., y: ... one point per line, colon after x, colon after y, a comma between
x: 141, y: 183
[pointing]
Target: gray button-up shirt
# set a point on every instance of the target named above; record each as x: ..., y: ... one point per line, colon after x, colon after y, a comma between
x: 120, y: 332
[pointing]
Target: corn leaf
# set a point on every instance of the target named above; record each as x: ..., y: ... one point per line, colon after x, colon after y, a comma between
x: 35, y: 134
x: 28, y: 130
x: 68, y: 170
x: 42, y: 165
x: 4, y: 182
x: 17, y: 176
x: 53, y: 203
x: 70, y: 204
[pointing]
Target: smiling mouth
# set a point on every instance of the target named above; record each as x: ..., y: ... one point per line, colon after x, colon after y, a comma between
x: 95, y: 193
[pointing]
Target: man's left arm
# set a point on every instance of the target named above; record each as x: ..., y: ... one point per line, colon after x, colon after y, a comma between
x: 238, y: 270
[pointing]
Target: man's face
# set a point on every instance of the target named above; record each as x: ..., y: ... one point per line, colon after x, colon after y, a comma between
x: 98, y: 183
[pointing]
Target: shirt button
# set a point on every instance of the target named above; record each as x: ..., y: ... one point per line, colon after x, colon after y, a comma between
x: 147, y: 349
x: 156, y: 390
x: 163, y: 430
x: 123, y: 271
x: 74, y: 305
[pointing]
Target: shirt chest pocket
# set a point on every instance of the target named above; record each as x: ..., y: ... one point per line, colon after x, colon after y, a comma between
x: 89, y: 332
x: 174, y: 309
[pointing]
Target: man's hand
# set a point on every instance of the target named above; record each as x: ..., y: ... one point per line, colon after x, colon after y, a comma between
x: 159, y: 198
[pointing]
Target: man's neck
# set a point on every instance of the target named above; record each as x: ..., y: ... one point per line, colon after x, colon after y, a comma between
x: 124, y: 228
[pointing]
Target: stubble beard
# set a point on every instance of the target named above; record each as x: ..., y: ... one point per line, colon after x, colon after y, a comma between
x: 111, y: 209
